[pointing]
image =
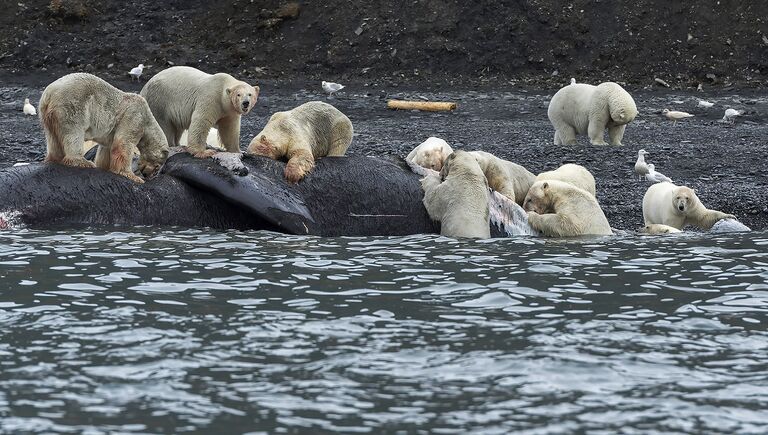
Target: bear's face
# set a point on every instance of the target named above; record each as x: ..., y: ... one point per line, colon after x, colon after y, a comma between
x: 262, y: 145
x: 243, y: 97
x: 683, y: 200
x: 431, y: 158
x: 538, y: 198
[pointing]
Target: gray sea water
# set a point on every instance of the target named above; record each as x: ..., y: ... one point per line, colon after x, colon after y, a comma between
x: 174, y: 331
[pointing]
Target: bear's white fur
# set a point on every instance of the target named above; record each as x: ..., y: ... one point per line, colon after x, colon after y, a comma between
x: 312, y: 130
x: 431, y: 153
x: 656, y: 229
x: 586, y: 109
x: 572, y: 173
x: 185, y: 98
x: 458, y: 198
x: 678, y: 206
x: 212, y: 139
x: 559, y: 209
x: 505, y: 177
x: 81, y: 107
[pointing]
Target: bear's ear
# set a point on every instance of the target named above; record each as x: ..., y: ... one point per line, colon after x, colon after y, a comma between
x: 264, y: 140
x: 229, y: 91
x: 545, y: 185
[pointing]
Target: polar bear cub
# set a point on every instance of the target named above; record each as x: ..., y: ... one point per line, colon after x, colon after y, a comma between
x: 312, y: 130
x: 586, y: 109
x: 505, y: 177
x: 678, y: 206
x: 458, y: 197
x: 185, y: 98
x: 431, y: 153
x: 559, y: 209
x: 572, y: 173
x: 81, y: 107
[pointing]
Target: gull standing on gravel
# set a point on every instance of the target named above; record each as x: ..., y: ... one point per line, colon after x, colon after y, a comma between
x: 573, y: 81
x: 731, y: 114
x: 641, y: 168
x: 136, y: 72
x: 29, y: 109
x: 675, y: 115
x: 705, y: 104
x: 331, y: 88
x: 656, y: 177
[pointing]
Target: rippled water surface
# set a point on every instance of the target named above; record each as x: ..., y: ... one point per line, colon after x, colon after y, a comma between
x: 176, y: 330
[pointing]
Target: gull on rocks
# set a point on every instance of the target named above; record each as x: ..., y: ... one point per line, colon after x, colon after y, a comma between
x: 330, y: 88
x: 29, y: 109
x: 675, y: 115
x: 573, y: 81
x: 641, y: 168
x: 705, y: 104
x: 656, y: 177
x: 136, y: 72
x: 731, y: 114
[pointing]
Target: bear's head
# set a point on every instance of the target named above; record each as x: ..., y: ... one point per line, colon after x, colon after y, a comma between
x: 432, y: 158
x: 538, y: 198
x: 684, y: 199
x: 621, y: 105
x: 460, y: 163
x: 243, y: 97
x: 153, y: 147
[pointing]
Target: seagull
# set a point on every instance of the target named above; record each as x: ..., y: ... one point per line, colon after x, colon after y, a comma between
x: 641, y: 168
x: 136, y: 72
x: 731, y: 114
x: 705, y: 104
x: 29, y: 109
x: 331, y: 87
x: 573, y: 81
x: 656, y: 177
x: 675, y: 116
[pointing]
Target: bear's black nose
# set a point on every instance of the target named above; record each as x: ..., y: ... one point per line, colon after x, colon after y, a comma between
x: 245, y: 104
x: 681, y: 207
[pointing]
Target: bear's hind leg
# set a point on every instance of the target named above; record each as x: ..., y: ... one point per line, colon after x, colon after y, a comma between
x: 558, y: 141
x: 342, y: 138
x: 616, y: 134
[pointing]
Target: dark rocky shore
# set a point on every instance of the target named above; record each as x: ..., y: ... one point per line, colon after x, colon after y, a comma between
x: 724, y: 163
x: 500, y: 62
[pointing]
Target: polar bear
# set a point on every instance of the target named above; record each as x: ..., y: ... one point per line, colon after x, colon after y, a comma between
x: 458, y: 197
x: 655, y: 229
x: 185, y: 98
x: 678, y: 206
x: 314, y: 129
x: 559, y: 209
x: 586, y: 109
x: 431, y: 153
x: 572, y: 173
x: 81, y: 107
x: 505, y: 177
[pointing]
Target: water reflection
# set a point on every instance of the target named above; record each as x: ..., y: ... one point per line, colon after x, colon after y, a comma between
x: 174, y: 331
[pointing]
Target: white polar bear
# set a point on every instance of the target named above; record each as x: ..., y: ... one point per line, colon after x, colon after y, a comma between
x: 81, y: 107
x: 458, y: 198
x: 559, y: 209
x: 678, y: 206
x: 585, y: 109
x: 505, y: 177
x: 184, y: 98
x: 572, y: 173
x: 431, y: 153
